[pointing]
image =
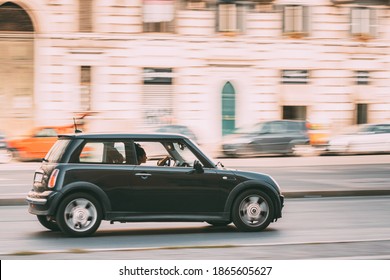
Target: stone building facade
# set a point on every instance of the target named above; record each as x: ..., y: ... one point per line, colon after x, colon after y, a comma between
x: 213, y: 65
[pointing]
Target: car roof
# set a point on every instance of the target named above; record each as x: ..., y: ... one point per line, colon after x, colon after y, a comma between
x: 144, y: 136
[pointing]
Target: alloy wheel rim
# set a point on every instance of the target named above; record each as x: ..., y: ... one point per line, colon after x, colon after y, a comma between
x: 253, y: 210
x: 80, y: 214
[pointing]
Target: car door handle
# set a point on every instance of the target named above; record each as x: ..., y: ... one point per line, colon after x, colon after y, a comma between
x: 143, y: 175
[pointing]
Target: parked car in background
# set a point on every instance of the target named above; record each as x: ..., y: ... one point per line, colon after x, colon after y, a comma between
x: 36, y: 144
x: 5, y: 154
x: 368, y: 138
x: 178, y: 129
x: 87, y: 178
x: 285, y: 137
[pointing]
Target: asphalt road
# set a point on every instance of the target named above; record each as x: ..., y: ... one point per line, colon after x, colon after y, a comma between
x: 311, y: 228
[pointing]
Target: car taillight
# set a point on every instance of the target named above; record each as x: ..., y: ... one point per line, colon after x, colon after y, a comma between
x: 53, y: 178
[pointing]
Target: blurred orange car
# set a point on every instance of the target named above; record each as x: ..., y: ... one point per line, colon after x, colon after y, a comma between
x: 37, y: 143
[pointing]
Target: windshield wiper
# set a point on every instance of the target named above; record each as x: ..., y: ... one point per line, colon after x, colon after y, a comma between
x: 220, y: 164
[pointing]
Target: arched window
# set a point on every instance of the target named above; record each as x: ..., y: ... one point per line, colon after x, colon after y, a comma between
x: 14, y: 19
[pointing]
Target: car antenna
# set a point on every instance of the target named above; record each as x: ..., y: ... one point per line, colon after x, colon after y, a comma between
x: 76, y: 130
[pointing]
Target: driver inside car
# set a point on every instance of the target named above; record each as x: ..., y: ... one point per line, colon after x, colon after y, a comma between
x: 141, y: 154
x: 164, y: 161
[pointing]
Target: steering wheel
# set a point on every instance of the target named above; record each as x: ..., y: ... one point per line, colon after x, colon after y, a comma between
x: 166, y: 161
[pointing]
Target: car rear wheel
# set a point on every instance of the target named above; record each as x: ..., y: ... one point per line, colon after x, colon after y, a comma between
x: 48, y: 223
x: 253, y: 210
x: 79, y: 215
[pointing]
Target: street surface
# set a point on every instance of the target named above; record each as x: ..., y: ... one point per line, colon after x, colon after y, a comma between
x: 312, y: 228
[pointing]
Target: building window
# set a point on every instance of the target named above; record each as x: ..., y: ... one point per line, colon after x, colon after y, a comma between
x: 230, y: 17
x: 362, y: 78
x: 157, y: 96
x: 363, y: 22
x: 85, y: 88
x: 14, y: 19
x: 361, y: 113
x: 294, y: 112
x: 85, y: 15
x: 295, y: 76
x: 158, y: 16
x: 295, y: 20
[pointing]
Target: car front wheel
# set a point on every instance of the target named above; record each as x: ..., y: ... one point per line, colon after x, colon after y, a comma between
x: 79, y: 215
x: 252, y: 211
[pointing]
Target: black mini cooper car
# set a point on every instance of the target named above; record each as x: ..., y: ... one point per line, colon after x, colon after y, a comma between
x: 87, y: 178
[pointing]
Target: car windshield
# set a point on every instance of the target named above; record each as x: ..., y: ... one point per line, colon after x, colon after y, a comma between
x: 57, y: 150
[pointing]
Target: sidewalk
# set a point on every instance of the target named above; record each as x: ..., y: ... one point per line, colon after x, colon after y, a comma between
x: 273, y: 162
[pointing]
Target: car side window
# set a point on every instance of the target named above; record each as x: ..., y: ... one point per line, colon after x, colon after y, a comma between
x: 103, y: 152
x: 167, y: 154
x: 382, y: 129
x: 295, y: 126
x: 154, y: 150
x: 277, y: 127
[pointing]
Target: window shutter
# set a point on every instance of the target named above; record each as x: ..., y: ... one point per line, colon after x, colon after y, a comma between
x: 157, y: 96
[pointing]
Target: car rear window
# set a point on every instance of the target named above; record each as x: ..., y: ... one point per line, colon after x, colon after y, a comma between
x: 57, y: 150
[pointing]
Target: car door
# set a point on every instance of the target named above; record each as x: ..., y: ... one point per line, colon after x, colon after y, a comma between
x: 271, y: 139
x: 178, y: 190
x: 373, y: 141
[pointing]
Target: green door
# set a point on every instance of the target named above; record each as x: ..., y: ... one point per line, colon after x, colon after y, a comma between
x: 228, y: 109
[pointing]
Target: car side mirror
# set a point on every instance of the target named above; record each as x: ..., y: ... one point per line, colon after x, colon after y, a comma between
x: 198, y: 167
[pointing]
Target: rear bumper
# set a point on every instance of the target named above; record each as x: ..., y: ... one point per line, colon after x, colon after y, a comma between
x: 42, y: 203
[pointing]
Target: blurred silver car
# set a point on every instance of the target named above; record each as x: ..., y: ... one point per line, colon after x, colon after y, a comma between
x: 272, y: 137
x: 179, y: 129
x: 368, y: 138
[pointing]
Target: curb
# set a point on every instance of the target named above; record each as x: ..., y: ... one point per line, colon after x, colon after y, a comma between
x: 338, y: 193
x: 18, y: 201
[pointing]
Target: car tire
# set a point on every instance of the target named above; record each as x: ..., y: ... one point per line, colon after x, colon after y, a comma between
x: 79, y: 215
x: 253, y: 210
x: 48, y: 223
